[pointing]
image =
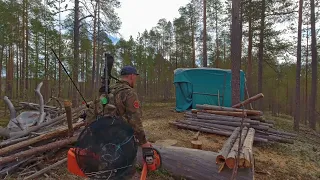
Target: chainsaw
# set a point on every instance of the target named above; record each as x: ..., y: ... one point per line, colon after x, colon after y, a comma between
x: 151, y: 161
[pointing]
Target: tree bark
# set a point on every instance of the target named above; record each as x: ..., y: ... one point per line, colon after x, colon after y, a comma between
x: 298, y: 71
x: 76, y: 38
x: 205, y: 61
x: 235, y: 51
x: 194, y: 164
x: 224, y: 113
x: 260, y: 53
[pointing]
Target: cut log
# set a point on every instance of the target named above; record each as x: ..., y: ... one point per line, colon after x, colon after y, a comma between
x: 225, y: 113
x: 37, y: 150
x: 212, y: 131
x: 233, y: 154
x: 218, y: 122
x: 219, y: 108
x: 282, y: 132
x: 207, y: 125
x: 227, y: 146
x: 194, y: 164
x: 9, y: 142
x: 249, y: 100
x: 255, y: 117
x: 34, y: 140
x: 276, y: 138
x: 196, y: 144
x: 246, y: 157
x: 225, y: 118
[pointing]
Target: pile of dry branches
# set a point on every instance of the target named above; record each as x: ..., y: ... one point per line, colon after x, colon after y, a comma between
x: 23, y: 155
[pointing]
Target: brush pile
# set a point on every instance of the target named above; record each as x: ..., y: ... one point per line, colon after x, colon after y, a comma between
x: 224, y: 120
x: 23, y: 153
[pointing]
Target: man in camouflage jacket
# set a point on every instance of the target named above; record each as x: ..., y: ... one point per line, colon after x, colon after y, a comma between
x: 124, y: 102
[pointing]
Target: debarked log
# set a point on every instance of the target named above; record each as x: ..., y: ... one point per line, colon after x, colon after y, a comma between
x: 212, y: 131
x: 194, y: 164
x: 219, y: 108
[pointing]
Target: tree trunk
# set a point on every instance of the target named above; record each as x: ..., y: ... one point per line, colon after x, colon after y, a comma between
x: 260, y: 53
x: 249, y: 65
x: 94, y: 53
x: 76, y: 53
x: 27, y: 53
x: 205, y: 61
x: 306, y: 98
x: 217, y: 39
x: 314, y: 66
x: 298, y: 70
x: 235, y: 52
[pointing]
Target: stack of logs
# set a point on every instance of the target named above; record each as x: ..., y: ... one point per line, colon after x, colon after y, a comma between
x: 23, y: 154
x: 231, y: 155
x: 224, y: 120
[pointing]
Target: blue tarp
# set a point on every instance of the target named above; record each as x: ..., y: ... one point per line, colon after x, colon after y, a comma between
x: 202, y: 86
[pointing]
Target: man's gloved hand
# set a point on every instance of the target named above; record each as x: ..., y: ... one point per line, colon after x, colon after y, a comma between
x: 147, y: 144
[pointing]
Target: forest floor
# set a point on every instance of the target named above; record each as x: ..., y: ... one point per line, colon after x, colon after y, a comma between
x: 300, y: 160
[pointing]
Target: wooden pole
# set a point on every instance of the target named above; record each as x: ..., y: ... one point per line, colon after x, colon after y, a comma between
x: 67, y: 106
x: 37, y: 150
x: 218, y: 108
x: 249, y: 100
x: 34, y: 140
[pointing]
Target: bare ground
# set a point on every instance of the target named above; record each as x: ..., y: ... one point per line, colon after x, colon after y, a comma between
x: 300, y: 160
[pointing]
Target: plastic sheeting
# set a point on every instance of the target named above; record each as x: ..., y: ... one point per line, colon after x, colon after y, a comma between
x: 203, y: 85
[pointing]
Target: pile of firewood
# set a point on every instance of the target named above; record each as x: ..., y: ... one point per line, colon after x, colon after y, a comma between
x: 24, y: 153
x: 224, y: 120
x: 233, y: 156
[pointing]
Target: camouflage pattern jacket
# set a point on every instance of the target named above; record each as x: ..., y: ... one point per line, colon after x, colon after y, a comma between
x: 127, y: 105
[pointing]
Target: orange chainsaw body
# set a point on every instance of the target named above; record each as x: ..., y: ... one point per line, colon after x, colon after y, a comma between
x: 150, y: 165
x: 73, y: 165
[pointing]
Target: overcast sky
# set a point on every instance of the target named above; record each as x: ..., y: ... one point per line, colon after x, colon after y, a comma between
x: 138, y: 15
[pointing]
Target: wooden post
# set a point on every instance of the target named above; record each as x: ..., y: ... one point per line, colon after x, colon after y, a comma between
x: 67, y: 106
